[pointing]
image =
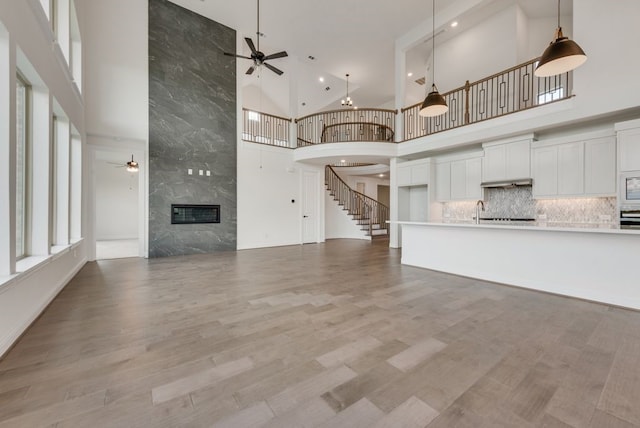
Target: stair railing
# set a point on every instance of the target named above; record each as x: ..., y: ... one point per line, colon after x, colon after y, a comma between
x: 357, y: 204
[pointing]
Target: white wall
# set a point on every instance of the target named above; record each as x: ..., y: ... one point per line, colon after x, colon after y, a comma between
x: 370, y: 183
x: 485, y: 49
x: 609, y: 79
x: 116, y: 58
x: 254, y: 98
x: 338, y: 224
x: 116, y: 194
x: 268, y: 180
x: 541, y: 31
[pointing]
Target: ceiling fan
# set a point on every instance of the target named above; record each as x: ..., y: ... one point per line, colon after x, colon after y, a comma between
x: 257, y: 56
x: 132, y: 166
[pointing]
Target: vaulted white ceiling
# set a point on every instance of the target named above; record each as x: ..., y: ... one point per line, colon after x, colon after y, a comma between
x: 343, y: 36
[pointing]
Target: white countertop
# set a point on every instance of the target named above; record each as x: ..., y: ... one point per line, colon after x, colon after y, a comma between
x: 513, y: 227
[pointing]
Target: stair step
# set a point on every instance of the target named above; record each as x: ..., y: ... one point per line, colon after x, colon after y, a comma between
x: 379, y: 232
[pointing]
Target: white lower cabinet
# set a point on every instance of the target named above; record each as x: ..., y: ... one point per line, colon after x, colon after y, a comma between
x: 584, y: 168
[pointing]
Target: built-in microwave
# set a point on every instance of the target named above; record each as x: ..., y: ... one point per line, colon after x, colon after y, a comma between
x: 630, y: 189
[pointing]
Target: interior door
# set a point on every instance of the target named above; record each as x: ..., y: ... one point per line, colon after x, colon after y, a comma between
x: 310, y: 207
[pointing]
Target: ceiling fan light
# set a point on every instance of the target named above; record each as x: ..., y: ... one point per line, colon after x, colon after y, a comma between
x: 132, y: 166
x: 434, y: 104
x: 561, y: 56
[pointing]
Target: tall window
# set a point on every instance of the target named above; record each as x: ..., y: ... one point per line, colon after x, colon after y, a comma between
x: 22, y: 137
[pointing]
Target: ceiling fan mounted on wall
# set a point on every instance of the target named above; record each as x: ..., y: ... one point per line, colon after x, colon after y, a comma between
x: 257, y: 56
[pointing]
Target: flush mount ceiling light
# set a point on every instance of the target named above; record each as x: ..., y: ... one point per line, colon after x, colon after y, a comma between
x: 347, y: 102
x: 434, y: 104
x: 132, y: 166
x: 562, y: 55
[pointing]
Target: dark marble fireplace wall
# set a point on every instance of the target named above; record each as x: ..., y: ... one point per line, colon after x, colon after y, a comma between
x: 192, y: 124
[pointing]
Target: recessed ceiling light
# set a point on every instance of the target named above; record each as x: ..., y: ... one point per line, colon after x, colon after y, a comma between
x: 321, y: 79
x: 342, y: 160
x: 409, y: 74
x: 381, y: 175
x: 454, y: 24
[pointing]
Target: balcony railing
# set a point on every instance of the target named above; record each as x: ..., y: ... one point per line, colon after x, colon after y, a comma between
x: 265, y: 128
x: 346, y: 125
x: 509, y: 91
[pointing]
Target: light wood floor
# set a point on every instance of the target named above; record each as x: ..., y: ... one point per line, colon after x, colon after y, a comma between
x: 331, y: 335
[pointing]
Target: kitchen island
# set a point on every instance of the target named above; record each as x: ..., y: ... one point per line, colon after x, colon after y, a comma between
x: 602, y: 265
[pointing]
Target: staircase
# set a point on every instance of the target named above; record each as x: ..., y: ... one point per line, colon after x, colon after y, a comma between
x: 370, y: 215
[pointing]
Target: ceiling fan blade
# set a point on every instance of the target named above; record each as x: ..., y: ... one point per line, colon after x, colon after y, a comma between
x: 237, y: 56
x: 251, y: 45
x: 251, y: 70
x: 276, y: 55
x: 272, y: 68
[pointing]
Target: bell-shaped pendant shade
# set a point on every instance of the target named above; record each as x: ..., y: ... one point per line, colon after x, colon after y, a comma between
x: 562, y: 55
x: 434, y: 104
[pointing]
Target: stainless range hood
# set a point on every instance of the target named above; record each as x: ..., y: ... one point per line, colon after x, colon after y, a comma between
x: 506, y: 184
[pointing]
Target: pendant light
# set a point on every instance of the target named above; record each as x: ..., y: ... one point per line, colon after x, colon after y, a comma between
x: 562, y: 55
x: 347, y: 102
x: 434, y: 104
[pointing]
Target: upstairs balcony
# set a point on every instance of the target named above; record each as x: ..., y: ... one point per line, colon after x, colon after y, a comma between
x: 509, y: 91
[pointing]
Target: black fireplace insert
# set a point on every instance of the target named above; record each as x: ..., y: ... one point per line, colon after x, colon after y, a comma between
x: 193, y: 213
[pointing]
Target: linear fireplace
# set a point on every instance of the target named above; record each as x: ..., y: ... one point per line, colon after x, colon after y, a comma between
x: 192, y: 213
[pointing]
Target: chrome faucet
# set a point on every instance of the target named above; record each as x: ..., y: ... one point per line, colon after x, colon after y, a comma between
x: 479, y: 205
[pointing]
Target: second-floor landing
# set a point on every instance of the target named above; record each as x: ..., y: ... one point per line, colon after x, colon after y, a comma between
x: 604, y: 88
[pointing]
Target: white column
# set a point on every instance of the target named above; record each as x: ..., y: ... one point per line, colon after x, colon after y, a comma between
x: 393, y: 202
x: 400, y: 87
x: 293, y: 102
x: 7, y: 154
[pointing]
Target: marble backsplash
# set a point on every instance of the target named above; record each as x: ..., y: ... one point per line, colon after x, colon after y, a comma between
x: 518, y: 202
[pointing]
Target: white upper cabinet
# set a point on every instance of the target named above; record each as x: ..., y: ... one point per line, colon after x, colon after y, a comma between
x: 600, y: 166
x: 507, y: 161
x: 629, y: 147
x: 459, y: 180
x: 571, y: 169
x: 579, y: 168
x: 545, y: 171
x: 413, y: 173
x: 474, y: 178
x: 443, y: 181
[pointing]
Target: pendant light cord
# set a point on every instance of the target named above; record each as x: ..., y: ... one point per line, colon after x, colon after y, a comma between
x: 558, y: 13
x: 433, y: 42
x: 258, y: 33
